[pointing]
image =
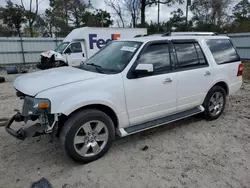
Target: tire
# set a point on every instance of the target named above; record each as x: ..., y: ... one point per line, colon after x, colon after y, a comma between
x: 214, y: 103
x: 12, y: 70
x: 79, y: 143
x: 59, y: 64
x: 2, y: 79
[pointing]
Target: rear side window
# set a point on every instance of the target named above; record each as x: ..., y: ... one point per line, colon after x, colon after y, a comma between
x: 189, y: 55
x: 223, y: 51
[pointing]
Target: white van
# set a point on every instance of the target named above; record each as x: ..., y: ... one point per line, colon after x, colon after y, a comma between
x: 82, y: 43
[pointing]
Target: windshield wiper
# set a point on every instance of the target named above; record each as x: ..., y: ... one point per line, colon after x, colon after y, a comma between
x: 97, y: 67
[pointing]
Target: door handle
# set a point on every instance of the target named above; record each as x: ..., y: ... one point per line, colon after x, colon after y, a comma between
x: 167, y: 80
x: 208, y: 73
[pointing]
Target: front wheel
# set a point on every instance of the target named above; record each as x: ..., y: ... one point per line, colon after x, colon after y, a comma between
x: 214, y: 103
x: 59, y: 64
x: 87, y: 135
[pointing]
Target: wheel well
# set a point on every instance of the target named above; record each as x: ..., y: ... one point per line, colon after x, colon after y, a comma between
x: 224, y: 86
x: 63, y: 63
x: 105, y: 109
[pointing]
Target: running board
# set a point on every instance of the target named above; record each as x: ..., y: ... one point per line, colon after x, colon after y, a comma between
x: 158, y: 122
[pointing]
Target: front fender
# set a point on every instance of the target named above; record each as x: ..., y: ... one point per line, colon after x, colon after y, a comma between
x: 60, y: 57
x: 72, y: 104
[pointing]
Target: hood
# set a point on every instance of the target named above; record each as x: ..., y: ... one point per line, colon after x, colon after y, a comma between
x: 48, y: 53
x: 33, y: 83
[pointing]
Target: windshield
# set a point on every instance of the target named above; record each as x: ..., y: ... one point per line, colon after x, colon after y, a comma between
x: 61, y: 47
x: 114, y: 57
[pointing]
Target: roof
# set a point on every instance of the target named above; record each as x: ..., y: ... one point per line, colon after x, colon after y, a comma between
x: 158, y: 38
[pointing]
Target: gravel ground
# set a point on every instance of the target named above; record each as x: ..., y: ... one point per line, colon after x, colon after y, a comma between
x: 189, y: 153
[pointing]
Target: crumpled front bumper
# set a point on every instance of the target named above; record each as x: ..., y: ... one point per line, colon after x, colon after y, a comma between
x: 30, y: 131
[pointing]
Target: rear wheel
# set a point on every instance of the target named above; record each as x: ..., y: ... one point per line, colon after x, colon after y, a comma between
x: 87, y: 135
x: 214, y: 103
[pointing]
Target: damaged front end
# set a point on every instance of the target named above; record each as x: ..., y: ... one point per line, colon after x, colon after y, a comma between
x: 46, y: 62
x: 37, y: 111
x: 51, y: 59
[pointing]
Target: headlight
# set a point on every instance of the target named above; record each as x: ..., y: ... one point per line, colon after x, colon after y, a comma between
x: 41, y: 106
x: 33, y: 106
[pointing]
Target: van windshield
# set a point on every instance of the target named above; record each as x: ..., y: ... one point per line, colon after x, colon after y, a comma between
x: 61, y: 47
x: 113, y: 58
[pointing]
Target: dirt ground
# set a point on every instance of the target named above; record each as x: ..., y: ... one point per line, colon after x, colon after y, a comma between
x: 190, y: 153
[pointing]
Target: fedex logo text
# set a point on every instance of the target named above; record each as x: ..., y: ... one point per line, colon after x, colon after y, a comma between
x: 100, y: 42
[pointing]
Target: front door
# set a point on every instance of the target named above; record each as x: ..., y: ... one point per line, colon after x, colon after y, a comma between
x: 154, y: 96
x: 75, y: 54
x: 194, y: 74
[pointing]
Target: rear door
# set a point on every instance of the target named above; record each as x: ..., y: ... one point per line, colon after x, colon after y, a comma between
x: 194, y: 73
x: 228, y: 65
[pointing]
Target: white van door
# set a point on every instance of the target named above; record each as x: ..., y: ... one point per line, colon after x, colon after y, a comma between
x: 75, y: 54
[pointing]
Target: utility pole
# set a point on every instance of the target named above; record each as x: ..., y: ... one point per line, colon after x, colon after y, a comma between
x: 158, y: 18
x: 188, y: 4
x: 102, y: 18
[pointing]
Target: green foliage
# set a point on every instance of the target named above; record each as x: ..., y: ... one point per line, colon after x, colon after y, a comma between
x: 241, y: 11
x: 178, y: 21
x: 64, y: 15
x: 152, y: 28
x: 97, y: 19
x: 13, y: 16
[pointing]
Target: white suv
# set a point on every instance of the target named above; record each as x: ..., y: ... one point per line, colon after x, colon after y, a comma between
x: 127, y: 87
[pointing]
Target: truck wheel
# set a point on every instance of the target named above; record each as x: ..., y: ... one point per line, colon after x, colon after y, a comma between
x: 59, y: 64
x: 214, y: 103
x: 87, y: 135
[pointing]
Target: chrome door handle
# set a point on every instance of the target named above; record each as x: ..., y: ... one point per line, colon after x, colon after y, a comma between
x: 207, y: 73
x: 167, y: 80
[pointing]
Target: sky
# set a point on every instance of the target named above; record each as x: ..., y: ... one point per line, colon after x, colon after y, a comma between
x: 151, y: 13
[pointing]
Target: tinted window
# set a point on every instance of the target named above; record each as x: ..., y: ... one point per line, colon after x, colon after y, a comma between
x: 222, y: 50
x: 201, y: 56
x: 186, y: 55
x: 75, y: 47
x: 158, y: 55
x: 189, y: 55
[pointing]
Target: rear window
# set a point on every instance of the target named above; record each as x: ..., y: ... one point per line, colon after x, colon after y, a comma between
x: 223, y: 51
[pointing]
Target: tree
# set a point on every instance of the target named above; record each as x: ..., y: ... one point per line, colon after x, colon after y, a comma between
x: 152, y: 28
x: 59, y: 15
x: 116, y: 6
x: 48, y: 18
x: 212, y: 14
x: 31, y: 14
x: 76, y: 10
x: 13, y: 16
x: 241, y: 11
x: 133, y: 7
x: 178, y: 21
x: 148, y: 3
x: 98, y: 18
x: 5, y: 31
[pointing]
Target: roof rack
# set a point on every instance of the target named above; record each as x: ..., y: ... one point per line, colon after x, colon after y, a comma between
x: 136, y: 36
x: 189, y: 33
x: 179, y: 34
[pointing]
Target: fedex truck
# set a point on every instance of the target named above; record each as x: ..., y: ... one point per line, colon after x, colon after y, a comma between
x: 82, y: 43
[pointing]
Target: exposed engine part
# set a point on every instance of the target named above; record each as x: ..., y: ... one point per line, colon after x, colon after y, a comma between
x: 50, y: 128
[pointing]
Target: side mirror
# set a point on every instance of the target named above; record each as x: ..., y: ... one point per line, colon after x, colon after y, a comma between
x: 143, y: 70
